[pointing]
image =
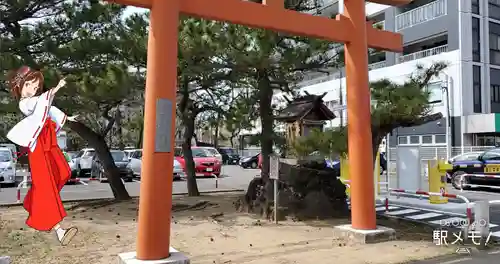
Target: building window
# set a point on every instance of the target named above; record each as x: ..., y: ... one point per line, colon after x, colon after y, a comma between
x: 476, y: 40
x: 414, y: 140
x: 495, y: 90
x: 475, y: 6
x: 440, y: 139
x: 495, y: 93
x: 494, y: 43
x: 427, y: 139
x: 476, y: 88
x: 494, y: 9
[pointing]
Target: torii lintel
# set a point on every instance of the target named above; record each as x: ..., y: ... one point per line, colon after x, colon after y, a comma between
x: 292, y: 22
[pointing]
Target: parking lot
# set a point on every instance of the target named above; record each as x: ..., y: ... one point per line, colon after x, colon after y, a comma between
x: 233, y: 178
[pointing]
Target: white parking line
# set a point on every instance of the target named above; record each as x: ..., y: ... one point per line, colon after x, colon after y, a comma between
x: 402, y: 212
x: 382, y: 208
x: 424, y: 216
x: 496, y: 234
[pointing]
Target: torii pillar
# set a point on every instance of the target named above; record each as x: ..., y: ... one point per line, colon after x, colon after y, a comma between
x: 351, y: 28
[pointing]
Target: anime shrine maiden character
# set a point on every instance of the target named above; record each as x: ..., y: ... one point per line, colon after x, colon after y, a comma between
x: 37, y: 133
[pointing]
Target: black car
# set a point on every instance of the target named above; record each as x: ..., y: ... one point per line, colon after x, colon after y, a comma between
x: 229, y: 155
x: 121, y: 161
x: 482, y: 164
x: 250, y: 162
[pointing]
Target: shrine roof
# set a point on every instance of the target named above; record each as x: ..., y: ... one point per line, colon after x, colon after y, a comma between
x: 302, y: 106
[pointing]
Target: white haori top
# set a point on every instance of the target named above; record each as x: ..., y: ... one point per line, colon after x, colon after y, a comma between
x: 36, y: 109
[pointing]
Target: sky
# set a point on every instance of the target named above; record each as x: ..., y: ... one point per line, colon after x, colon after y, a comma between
x: 371, y: 8
x: 130, y: 10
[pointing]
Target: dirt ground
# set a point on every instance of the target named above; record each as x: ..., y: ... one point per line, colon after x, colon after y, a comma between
x: 208, y: 230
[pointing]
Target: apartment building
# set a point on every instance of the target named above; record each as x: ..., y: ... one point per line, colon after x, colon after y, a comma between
x: 463, y: 33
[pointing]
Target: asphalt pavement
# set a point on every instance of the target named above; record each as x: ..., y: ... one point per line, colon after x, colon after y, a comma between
x: 233, y: 178
x: 483, y: 257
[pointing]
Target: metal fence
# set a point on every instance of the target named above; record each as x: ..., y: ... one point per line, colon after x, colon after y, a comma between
x: 427, y: 153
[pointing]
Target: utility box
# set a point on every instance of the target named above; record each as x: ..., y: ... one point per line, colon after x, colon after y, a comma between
x: 409, y: 168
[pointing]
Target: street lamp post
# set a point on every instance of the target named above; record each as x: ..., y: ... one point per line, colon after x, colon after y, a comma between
x: 447, y: 119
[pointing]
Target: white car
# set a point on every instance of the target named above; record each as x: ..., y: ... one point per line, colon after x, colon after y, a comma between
x: 83, y: 160
x: 7, y: 167
x: 135, y: 163
x: 214, y: 152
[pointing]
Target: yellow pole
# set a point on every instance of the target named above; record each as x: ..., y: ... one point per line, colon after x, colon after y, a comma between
x: 344, y: 173
x: 437, y: 182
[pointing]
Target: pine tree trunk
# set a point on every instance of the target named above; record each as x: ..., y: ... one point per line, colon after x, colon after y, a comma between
x: 266, y: 117
x: 98, y: 142
x: 192, y: 186
x: 141, y: 132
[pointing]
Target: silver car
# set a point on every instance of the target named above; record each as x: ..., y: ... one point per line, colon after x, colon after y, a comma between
x: 7, y: 167
x: 83, y: 161
x: 135, y: 162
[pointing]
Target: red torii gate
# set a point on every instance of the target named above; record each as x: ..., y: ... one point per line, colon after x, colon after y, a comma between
x: 351, y: 28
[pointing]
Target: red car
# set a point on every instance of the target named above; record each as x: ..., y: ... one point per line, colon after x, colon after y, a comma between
x: 206, y: 164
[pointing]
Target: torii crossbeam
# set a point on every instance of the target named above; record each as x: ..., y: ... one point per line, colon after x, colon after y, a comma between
x: 350, y: 28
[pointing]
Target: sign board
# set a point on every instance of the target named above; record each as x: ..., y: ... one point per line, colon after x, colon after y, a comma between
x: 274, y: 167
x: 164, y: 115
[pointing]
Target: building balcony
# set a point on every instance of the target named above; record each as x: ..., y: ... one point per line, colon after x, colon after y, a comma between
x: 327, y: 78
x: 421, y: 14
x: 423, y: 54
x: 377, y: 65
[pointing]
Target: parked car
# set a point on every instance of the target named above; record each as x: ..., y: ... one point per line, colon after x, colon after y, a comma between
x: 129, y: 152
x: 206, y: 164
x: 72, y: 165
x: 135, y: 163
x: 12, y: 148
x: 484, y: 163
x: 229, y: 155
x: 250, y: 162
x: 468, y: 156
x: 83, y: 161
x: 214, y: 152
x: 72, y: 154
x: 121, y: 161
x: 7, y: 167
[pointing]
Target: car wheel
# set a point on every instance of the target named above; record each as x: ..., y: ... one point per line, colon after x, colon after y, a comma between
x: 456, y: 178
x: 81, y: 173
x: 254, y: 165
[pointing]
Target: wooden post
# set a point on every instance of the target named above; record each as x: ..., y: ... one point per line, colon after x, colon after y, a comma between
x: 358, y: 113
x: 155, y: 203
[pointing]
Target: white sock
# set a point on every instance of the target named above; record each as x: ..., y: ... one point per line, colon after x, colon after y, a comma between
x: 59, y: 231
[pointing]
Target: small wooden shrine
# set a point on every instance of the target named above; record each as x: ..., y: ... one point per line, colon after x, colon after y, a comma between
x: 303, y: 114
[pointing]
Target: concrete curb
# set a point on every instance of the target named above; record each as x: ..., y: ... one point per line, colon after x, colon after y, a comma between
x: 98, y: 199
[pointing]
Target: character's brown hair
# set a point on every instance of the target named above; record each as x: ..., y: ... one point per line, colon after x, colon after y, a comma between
x: 16, y: 80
